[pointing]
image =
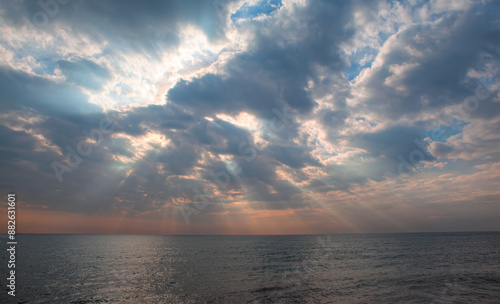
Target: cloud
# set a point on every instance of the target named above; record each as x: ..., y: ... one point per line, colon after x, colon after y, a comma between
x: 127, y: 24
x: 275, y: 69
x: 84, y: 72
x: 289, y: 110
x: 21, y: 90
x: 390, y: 143
x: 425, y: 65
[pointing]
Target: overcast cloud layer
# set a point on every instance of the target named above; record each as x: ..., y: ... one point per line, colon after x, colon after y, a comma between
x: 255, y: 117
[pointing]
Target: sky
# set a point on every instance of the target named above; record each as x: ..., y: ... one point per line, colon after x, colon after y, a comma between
x: 250, y: 117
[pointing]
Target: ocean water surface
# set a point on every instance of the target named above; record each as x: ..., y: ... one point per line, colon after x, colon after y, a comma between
x: 370, y: 268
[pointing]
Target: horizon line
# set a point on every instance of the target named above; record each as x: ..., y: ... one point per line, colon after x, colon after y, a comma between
x: 306, y: 234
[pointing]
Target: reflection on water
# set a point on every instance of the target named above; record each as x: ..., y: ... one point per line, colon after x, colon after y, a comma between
x: 410, y: 268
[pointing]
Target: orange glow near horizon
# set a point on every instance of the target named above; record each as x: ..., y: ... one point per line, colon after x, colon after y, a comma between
x: 262, y: 222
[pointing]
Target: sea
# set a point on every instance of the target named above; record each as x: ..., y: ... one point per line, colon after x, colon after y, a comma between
x: 362, y: 268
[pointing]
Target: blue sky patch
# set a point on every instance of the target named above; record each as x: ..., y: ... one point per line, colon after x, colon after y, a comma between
x: 444, y: 132
x: 265, y: 7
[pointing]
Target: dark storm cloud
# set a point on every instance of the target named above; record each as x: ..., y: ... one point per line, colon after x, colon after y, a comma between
x: 63, y: 132
x: 21, y: 90
x: 427, y: 61
x: 20, y: 141
x: 139, y: 120
x: 390, y: 143
x: 256, y: 173
x: 270, y: 75
x: 435, y: 59
x: 292, y: 155
x: 333, y: 119
x: 441, y: 149
x: 139, y: 26
x: 179, y: 159
x: 225, y: 138
x: 275, y: 70
x: 385, y: 151
x: 29, y: 166
x: 63, y: 107
x: 53, y: 117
